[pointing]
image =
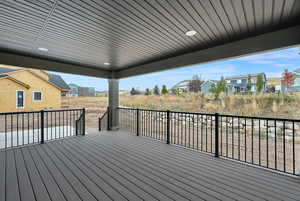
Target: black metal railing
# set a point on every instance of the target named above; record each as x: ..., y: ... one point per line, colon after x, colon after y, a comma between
x: 269, y: 142
x: 80, y: 124
x: 103, y: 123
x: 23, y: 128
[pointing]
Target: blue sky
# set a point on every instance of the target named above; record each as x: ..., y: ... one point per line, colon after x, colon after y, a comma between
x: 272, y: 63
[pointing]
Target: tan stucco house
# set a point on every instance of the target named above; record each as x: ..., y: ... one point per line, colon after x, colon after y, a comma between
x: 29, y: 89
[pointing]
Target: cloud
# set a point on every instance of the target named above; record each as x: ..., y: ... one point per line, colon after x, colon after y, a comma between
x: 262, y: 62
x: 273, y: 74
x: 208, y: 71
x: 272, y: 57
x: 284, y: 65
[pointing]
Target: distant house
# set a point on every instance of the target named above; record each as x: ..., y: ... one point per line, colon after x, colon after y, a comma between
x: 74, y: 89
x: 238, y: 84
x: 182, y: 86
x: 24, y: 89
x: 77, y: 90
x: 274, y: 84
x: 207, y: 85
x: 296, y: 84
x: 86, y: 91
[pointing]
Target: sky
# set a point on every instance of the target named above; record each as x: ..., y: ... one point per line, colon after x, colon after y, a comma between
x: 272, y: 63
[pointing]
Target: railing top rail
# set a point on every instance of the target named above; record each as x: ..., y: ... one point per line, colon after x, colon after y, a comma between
x: 260, y: 118
x: 220, y: 115
x: 38, y: 111
x: 103, y: 115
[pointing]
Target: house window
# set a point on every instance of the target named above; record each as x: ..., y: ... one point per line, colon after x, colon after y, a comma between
x: 20, y: 99
x: 37, y: 96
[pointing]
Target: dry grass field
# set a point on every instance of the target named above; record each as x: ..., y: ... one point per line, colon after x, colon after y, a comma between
x: 95, y: 107
x: 266, y: 105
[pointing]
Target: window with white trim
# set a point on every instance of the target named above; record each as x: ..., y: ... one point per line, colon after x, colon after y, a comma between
x: 37, y: 96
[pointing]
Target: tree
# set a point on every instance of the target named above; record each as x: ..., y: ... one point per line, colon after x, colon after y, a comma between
x: 176, y: 91
x: 249, y: 84
x: 156, y: 90
x: 287, y: 79
x: 164, y: 90
x: 194, y: 85
x: 147, y: 92
x: 134, y: 92
x: 219, y: 88
x: 259, y: 82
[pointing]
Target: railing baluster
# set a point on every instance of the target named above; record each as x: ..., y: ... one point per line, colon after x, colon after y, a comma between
x: 168, y: 127
x: 267, y: 135
x: 137, y: 122
x: 275, y: 145
x: 42, y: 126
x: 216, y: 135
x: 294, y: 159
x: 259, y: 143
x: 232, y: 137
x: 252, y: 133
x: 5, y: 130
x: 284, y: 155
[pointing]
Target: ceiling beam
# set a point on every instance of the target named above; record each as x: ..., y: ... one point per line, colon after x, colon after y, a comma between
x: 260, y: 43
x: 56, y: 66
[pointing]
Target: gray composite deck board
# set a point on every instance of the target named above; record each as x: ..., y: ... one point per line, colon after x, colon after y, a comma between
x: 119, y: 166
x: 232, y: 184
x: 226, y: 188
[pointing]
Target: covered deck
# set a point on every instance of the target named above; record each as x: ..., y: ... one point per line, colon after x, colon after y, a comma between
x: 114, y: 165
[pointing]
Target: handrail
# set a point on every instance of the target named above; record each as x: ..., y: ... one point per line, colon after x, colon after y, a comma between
x: 38, y: 111
x: 212, y: 114
x: 30, y: 127
x: 263, y: 141
x: 102, y: 121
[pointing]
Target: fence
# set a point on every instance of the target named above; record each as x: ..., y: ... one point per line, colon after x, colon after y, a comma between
x: 269, y: 142
x: 23, y: 128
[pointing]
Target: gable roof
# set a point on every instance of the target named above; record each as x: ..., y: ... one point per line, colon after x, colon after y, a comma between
x: 244, y: 76
x: 6, y: 70
x: 54, y: 79
x: 58, y: 81
x: 3, y: 76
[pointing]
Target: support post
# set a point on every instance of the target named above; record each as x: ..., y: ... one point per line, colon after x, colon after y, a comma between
x: 216, y: 134
x: 42, y: 127
x: 113, y: 103
x: 137, y: 122
x: 168, y: 126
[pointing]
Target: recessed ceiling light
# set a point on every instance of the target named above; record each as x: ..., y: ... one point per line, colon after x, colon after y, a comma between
x: 106, y: 63
x: 191, y: 33
x: 43, y: 49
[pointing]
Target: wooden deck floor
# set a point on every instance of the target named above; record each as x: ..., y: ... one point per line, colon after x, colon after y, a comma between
x: 118, y: 166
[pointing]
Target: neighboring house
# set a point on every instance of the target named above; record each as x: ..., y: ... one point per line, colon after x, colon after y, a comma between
x: 274, y: 84
x: 207, y: 85
x: 182, y: 86
x: 74, y: 90
x: 24, y: 89
x: 238, y: 84
x: 86, y: 91
x: 296, y: 84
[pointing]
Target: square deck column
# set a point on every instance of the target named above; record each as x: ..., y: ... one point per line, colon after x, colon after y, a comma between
x: 113, y: 103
